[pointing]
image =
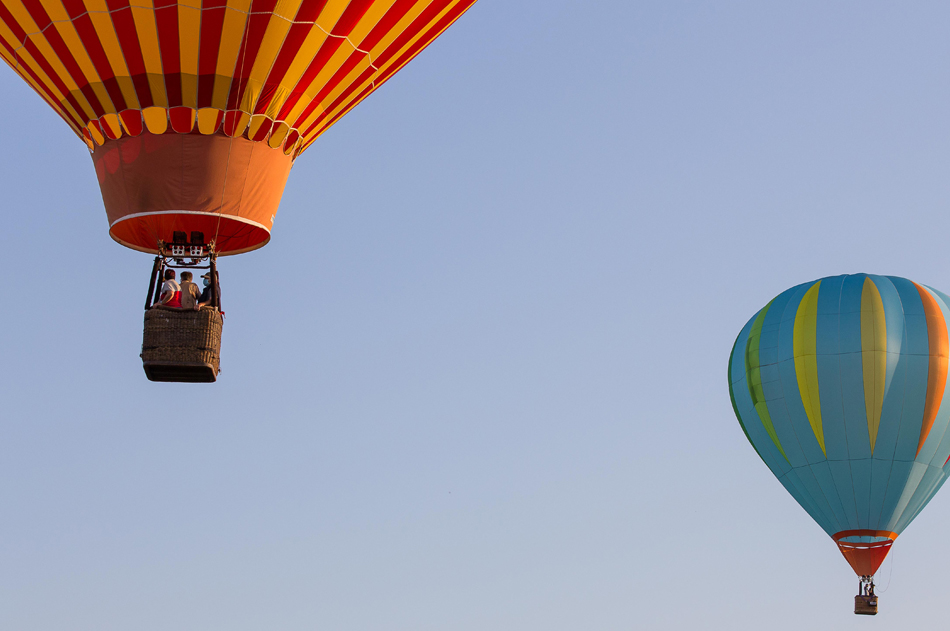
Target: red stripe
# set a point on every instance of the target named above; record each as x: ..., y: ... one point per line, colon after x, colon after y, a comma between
x: 230, y: 122
x: 72, y: 100
x: 407, y: 35
x: 38, y: 13
x: 414, y: 50
x: 351, y: 15
x: 292, y: 44
x: 295, y: 38
x: 90, y: 41
x: 331, y: 85
x: 133, y: 121
x: 75, y: 9
x: 303, y: 25
x: 181, y: 119
x: 362, y: 95
x: 11, y: 22
x: 136, y: 62
x: 44, y: 88
x: 401, y: 40
x: 292, y: 138
x: 20, y: 34
x: 262, y: 12
x: 212, y: 24
x: 263, y: 6
x: 310, y: 10
x: 263, y: 130
x: 166, y: 21
x: 446, y: 21
x: 124, y: 24
x: 424, y: 18
x: 62, y: 52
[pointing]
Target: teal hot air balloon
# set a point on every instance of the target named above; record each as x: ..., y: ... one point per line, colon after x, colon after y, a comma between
x: 840, y: 386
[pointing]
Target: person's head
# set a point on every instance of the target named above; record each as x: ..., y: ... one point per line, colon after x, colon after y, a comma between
x: 206, y: 279
x: 170, y: 274
x: 186, y: 276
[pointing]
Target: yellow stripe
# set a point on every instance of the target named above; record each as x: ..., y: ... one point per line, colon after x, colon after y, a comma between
x: 232, y: 32
x: 331, y: 14
x: 23, y: 19
x: 112, y: 123
x: 77, y: 49
x: 369, y: 20
x: 270, y: 47
x: 277, y: 135
x: 257, y: 121
x: 208, y: 120
x: 804, y: 346
x: 873, y: 355
x: 341, y: 55
x: 401, y: 26
x: 318, y: 83
x: 24, y: 60
x: 98, y: 137
x: 377, y: 50
x: 287, y: 9
x: 144, y: 16
x: 55, y: 10
x: 59, y: 105
x: 241, y: 125
x: 325, y: 21
x: 189, y: 32
x: 105, y: 29
x: 308, y: 50
x: 156, y: 119
x: 348, y: 49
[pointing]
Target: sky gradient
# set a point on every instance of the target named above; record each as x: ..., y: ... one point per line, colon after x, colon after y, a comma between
x: 477, y: 380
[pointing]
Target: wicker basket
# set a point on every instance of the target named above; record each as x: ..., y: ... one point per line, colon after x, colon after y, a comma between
x: 180, y: 345
x: 865, y: 605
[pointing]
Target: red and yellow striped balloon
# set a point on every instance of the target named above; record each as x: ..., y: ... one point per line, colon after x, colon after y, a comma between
x: 195, y: 110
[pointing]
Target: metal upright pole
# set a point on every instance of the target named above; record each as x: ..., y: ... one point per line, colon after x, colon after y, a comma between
x: 151, y: 285
x: 161, y: 278
x: 215, y: 290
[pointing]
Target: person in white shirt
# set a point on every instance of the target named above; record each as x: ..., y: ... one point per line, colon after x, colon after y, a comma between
x: 171, y: 291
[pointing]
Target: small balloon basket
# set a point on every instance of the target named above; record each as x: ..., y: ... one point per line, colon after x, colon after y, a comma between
x: 865, y: 603
x: 183, y: 345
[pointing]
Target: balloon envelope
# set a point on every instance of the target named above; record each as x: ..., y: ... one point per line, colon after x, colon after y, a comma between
x: 195, y: 110
x: 840, y: 386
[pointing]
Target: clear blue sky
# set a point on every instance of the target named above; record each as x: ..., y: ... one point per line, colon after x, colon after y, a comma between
x: 477, y: 379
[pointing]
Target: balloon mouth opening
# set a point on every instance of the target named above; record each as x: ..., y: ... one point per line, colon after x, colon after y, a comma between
x: 230, y: 234
x: 864, y: 550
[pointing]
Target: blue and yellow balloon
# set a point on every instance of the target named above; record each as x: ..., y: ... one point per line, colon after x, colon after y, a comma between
x: 840, y: 386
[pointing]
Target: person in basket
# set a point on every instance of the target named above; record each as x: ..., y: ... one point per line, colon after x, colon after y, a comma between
x: 206, y: 292
x: 190, y: 294
x: 171, y: 291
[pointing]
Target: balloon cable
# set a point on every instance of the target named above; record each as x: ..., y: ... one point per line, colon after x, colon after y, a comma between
x: 889, y: 572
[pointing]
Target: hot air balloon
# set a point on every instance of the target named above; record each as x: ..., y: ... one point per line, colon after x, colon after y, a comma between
x: 195, y: 111
x: 840, y: 386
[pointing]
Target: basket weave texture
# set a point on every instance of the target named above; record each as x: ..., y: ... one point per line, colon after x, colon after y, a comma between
x: 182, y: 337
